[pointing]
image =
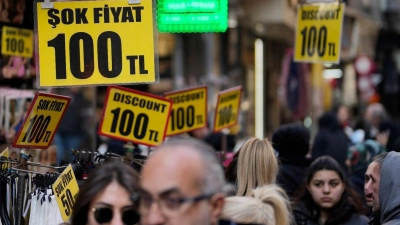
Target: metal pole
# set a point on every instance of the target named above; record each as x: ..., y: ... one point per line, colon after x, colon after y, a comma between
x: 259, y: 88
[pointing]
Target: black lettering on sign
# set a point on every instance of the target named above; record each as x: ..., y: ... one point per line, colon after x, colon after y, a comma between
x: 316, y: 14
x: 59, y: 188
x: 315, y: 39
x: 132, y: 62
x: 37, y: 129
x: 67, y: 202
x: 68, y: 16
x: 43, y: 105
x: 142, y: 103
x: 187, y: 97
x: 15, y: 45
x: 226, y: 115
x: 228, y: 98
x: 58, y: 43
x: 125, y: 14
x: 56, y: 106
x: 181, y: 117
x: 127, y: 120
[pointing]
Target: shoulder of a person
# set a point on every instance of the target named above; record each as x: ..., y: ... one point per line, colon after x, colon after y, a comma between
x: 393, y: 222
x: 357, y: 219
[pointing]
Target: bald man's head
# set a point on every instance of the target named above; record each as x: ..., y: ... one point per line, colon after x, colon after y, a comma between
x: 184, y: 168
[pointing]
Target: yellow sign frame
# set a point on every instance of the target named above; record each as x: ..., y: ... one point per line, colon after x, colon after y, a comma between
x: 190, y: 99
x: 45, y: 106
x: 20, y: 38
x: 228, y: 103
x: 319, y: 32
x: 66, y: 189
x: 131, y: 115
x: 83, y: 43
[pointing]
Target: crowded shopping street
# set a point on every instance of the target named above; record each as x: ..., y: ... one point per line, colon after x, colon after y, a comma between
x: 199, y: 112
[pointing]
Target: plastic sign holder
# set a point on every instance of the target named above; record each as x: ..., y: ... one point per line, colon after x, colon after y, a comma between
x: 96, y: 42
x: 228, y: 108
x: 41, y: 121
x: 189, y: 111
x: 135, y: 116
x: 319, y: 32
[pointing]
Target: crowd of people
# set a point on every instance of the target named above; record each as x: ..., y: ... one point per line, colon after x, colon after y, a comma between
x: 282, y: 181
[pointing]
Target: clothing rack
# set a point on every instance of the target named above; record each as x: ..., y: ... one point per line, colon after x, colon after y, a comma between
x: 21, y: 174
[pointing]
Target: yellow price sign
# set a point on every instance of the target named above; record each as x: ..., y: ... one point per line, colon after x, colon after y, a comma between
x: 17, y: 41
x: 228, y: 108
x: 131, y: 115
x: 189, y: 111
x: 66, y: 189
x: 6, y: 154
x: 41, y: 121
x: 319, y: 32
x: 96, y: 42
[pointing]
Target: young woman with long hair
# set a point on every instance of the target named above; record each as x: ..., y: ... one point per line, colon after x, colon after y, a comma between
x: 327, y: 198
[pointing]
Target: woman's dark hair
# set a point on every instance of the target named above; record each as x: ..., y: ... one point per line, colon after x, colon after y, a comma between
x: 99, y: 179
x: 231, y: 170
x: 349, y: 202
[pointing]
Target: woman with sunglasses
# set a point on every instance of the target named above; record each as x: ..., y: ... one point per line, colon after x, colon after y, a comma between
x: 327, y: 198
x: 105, y: 197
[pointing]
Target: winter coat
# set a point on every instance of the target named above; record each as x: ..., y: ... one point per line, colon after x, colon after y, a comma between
x: 291, y: 173
x: 331, y: 140
x: 304, y: 216
x: 389, y: 189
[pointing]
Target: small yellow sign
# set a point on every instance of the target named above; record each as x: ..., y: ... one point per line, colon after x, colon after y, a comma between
x: 96, y: 43
x: 228, y: 108
x: 66, y: 190
x: 189, y: 111
x: 17, y: 42
x: 131, y: 115
x: 319, y: 33
x: 5, y: 153
x: 41, y: 121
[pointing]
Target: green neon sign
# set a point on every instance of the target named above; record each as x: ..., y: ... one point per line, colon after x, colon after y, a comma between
x: 189, y: 16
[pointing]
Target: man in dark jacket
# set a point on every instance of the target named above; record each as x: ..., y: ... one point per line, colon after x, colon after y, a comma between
x: 389, y: 190
x: 292, y: 142
x: 331, y: 140
x: 371, y: 186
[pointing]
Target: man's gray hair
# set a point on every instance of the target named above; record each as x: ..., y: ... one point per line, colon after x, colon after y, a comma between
x: 214, y: 180
x: 380, y: 158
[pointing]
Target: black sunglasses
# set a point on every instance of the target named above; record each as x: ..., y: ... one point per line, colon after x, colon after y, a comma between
x: 105, y: 215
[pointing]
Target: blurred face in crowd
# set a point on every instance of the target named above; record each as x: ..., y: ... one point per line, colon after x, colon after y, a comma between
x: 169, y: 180
x: 112, y: 206
x: 343, y: 114
x: 371, y: 185
x: 326, y: 188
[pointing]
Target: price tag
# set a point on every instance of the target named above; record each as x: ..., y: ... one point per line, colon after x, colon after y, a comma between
x: 66, y: 190
x: 17, y: 41
x: 189, y: 111
x: 131, y: 115
x: 228, y: 108
x: 319, y: 32
x: 96, y: 43
x: 41, y: 121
